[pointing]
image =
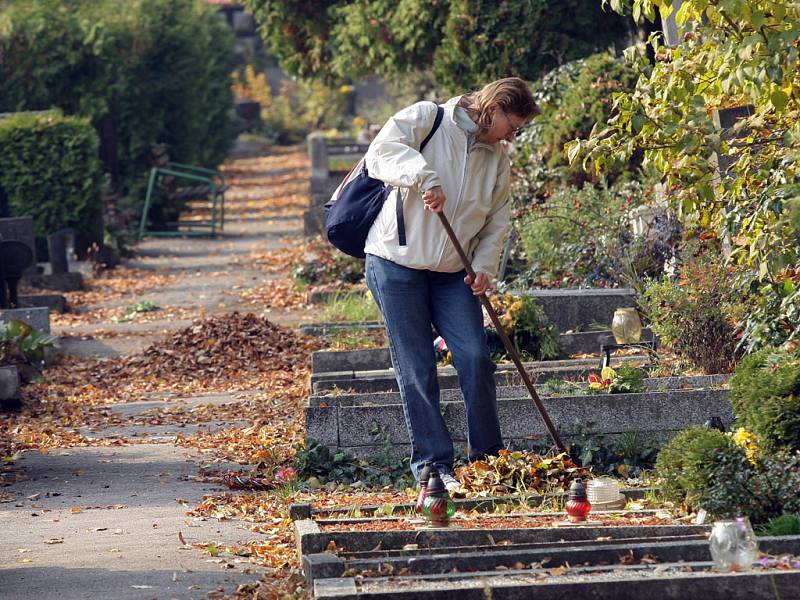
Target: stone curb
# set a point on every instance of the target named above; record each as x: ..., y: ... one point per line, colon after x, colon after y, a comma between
x: 506, y: 374
x: 299, y: 511
x: 567, y: 309
x: 655, y: 384
x: 361, y: 384
x: 326, y: 565
x: 626, y: 583
x: 9, y: 388
x: 37, y: 317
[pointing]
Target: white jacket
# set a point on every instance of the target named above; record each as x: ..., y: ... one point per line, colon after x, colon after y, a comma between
x: 475, y: 184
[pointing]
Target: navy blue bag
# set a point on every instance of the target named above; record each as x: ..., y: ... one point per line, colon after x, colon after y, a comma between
x: 355, y: 205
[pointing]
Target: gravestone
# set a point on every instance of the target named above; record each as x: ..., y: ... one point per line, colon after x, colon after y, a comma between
x: 672, y: 33
x: 21, y: 229
x: 9, y: 388
x: 724, y: 120
x: 15, y: 258
x: 324, y: 181
x: 58, y: 245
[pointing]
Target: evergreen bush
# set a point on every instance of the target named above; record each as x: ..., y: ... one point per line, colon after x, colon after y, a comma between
x: 686, y: 464
x: 50, y: 171
x: 765, y: 393
x: 702, y: 468
x: 572, y: 99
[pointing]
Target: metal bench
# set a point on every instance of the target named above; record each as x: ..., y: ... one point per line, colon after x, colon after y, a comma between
x: 182, y: 183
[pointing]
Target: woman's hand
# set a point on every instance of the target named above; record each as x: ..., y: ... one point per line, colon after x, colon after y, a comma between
x: 481, y: 283
x: 434, y: 199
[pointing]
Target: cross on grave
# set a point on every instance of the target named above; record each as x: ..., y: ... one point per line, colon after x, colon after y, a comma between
x: 15, y: 257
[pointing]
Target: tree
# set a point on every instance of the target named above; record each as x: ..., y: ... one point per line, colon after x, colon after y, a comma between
x: 467, y: 42
x: 734, y: 52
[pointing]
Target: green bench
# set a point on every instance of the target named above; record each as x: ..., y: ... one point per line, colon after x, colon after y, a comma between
x: 184, y: 184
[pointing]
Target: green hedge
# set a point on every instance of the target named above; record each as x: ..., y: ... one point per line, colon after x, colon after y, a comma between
x: 49, y: 170
x: 143, y: 71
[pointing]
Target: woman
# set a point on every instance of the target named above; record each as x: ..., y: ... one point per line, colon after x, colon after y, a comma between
x: 413, y: 270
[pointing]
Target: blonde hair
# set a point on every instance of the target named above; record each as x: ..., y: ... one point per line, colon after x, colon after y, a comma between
x: 511, y: 95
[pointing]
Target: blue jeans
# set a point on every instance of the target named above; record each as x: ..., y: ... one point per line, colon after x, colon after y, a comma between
x: 412, y: 300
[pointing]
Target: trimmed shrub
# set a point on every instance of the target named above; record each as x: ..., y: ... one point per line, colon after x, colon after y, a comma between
x: 49, y: 170
x: 765, y: 392
x: 143, y: 71
x: 761, y: 490
x: 686, y: 464
x: 703, y: 468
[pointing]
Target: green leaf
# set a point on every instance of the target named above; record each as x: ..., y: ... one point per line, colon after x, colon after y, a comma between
x: 573, y: 149
x: 779, y: 99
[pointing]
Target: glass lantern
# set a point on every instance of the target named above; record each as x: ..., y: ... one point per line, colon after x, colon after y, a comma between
x: 733, y: 545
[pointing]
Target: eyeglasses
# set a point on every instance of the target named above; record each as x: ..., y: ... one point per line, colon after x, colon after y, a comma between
x: 515, y: 130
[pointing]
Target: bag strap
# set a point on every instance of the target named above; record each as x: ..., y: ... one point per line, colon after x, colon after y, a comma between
x: 401, y: 225
x: 436, y: 122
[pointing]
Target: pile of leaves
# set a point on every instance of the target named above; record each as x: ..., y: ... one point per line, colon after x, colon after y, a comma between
x: 222, y: 347
x: 519, y: 471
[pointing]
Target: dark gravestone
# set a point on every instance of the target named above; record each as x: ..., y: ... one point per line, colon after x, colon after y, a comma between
x: 21, y: 229
x: 57, y: 244
x: 15, y: 257
x: 725, y: 119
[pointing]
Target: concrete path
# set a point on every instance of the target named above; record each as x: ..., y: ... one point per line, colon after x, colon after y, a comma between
x: 110, y: 521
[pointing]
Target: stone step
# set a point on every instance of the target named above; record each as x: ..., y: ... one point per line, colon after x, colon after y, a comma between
x: 311, y: 539
x: 383, y: 380
x: 678, y: 581
x: 653, y: 415
x: 580, y: 561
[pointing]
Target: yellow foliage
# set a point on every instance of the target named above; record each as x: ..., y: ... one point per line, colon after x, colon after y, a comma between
x: 252, y: 86
x: 744, y: 439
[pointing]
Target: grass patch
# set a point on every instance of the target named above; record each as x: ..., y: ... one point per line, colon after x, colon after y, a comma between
x: 355, y: 339
x: 356, y: 307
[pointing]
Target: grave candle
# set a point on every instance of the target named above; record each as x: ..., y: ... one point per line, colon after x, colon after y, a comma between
x: 437, y: 508
x: 578, y: 506
x: 424, y: 476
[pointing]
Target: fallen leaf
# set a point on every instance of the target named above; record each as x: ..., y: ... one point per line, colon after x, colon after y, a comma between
x: 54, y: 541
